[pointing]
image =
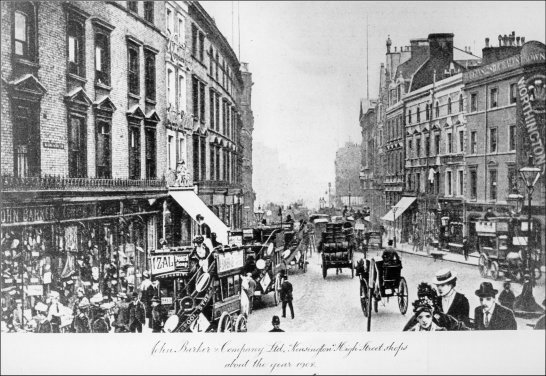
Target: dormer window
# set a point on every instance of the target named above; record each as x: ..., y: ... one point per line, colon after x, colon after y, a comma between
x: 24, y: 30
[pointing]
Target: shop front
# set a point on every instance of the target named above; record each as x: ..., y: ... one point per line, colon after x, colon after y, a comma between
x: 451, y: 225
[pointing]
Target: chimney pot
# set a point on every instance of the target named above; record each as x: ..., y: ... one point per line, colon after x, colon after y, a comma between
x: 522, y: 41
x: 486, y: 42
x: 517, y: 41
x: 500, y: 40
x: 394, y: 48
x: 505, y: 39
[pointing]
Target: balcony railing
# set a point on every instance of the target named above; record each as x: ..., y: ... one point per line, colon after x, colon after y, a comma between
x: 60, y: 183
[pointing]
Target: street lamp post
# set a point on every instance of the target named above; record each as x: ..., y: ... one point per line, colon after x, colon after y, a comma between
x: 525, y: 304
x: 394, y: 209
x: 259, y: 214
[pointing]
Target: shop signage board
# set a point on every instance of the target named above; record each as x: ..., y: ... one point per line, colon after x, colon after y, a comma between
x: 182, y: 261
x: 486, y: 226
x: 162, y: 264
x: 166, y: 300
x: 235, y: 240
x: 35, y: 290
x: 230, y: 260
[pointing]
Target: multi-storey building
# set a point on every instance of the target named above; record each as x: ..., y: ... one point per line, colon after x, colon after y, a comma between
x: 82, y: 179
x: 347, y: 167
x: 368, y: 174
x: 498, y: 143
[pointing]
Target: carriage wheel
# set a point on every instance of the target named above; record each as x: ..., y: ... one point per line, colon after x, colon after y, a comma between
x: 277, y: 290
x: 482, y: 265
x: 364, y: 296
x: 240, y: 324
x: 403, y: 296
x: 494, y: 269
x: 225, y: 323
x: 324, y: 270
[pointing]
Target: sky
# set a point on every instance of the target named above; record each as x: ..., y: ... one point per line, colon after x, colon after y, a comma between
x: 308, y: 61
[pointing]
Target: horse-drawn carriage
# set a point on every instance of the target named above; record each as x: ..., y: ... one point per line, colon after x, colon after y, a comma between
x: 337, y: 246
x: 210, y: 300
x: 381, y: 279
x: 502, y: 243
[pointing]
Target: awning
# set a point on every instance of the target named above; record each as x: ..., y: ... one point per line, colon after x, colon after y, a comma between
x: 402, y: 205
x: 193, y: 205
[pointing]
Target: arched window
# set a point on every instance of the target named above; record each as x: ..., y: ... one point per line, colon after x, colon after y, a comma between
x: 427, y: 112
x: 418, y: 111
x: 449, y: 106
x: 24, y: 30
x: 460, y: 103
x: 437, y: 109
x: 409, y: 116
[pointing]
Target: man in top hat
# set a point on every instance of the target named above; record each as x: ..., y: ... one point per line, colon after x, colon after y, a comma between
x: 202, y: 228
x: 137, y: 314
x: 452, y: 302
x: 489, y: 315
x: 276, y: 322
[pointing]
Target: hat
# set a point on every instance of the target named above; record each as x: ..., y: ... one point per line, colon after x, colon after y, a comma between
x: 146, y: 274
x: 97, y: 298
x: 54, y: 294
x: 156, y: 299
x: 276, y: 320
x: 486, y: 290
x: 40, y: 307
x: 81, y: 289
x: 422, y: 305
x: 444, y: 276
x: 83, y: 304
x: 135, y: 294
x: 199, y: 216
x: 122, y: 295
x: 198, y: 239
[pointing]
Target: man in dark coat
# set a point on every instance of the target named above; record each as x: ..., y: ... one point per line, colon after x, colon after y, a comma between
x: 137, y: 314
x: 507, y: 297
x: 286, y: 296
x: 466, y: 248
x: 202, y: 229
x: 451, y: 302
x: 490, y: 315
x: 42, y: 323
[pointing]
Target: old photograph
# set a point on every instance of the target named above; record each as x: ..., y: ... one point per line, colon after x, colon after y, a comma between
x: 171, y: 169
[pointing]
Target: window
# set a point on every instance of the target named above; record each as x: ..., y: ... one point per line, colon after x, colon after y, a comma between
x: 449, y: 141
x: 77, y: 166
x: 134, y: 150
x: 24, y: 30
x: 461, y: 103
x: 493, y: 140
x: 410, y: 148
x: 418, y: 111
x: 181, y: 149
x: 195, y: 96
x: 493, y: 184
x: 212, y: 160
x: 409, y: 116
x: 149, y: 11
x: 449, y: 106
x: 181, y: 93
x: 170, y: 21
x: 473, y: 184
x: 203, y: 159
x: 427, y: 112
x: 104, y: 170
x: 512, y: 178
x: 427, y: 145
x: 211, y: 61
x: 473, y: 142
x: 132, y: 6
x: 26, y: 139
x: 473, y: 102
x: 449, y: 183
x: 461, y: 182
x: 171, y: 90
x: 133, y: 69
x: 437, y: 115
x: 102, y: 58
x: 195, y: 139
x: 494, y: 97
x: 150, y: 152
x: 461, y: 141
x: 194, y: 40
x: 418, y: 147
x: 76, y: 48
x: 211, y: 109
x: 171, y: 158
x: 181, y: 29
x: 512, y: 138
x: 513, y: 93
x: 217, y: 164
x: 201, y: 46
x: 149, y: 74
x: 418, y: 181
x: 437, y: 143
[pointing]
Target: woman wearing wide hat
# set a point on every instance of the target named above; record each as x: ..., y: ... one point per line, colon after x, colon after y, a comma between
x: 450, y: 301
x: 424, y: 313
x: 490, y: 315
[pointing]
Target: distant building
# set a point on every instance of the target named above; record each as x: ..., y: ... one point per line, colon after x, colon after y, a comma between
x: 347, y: 168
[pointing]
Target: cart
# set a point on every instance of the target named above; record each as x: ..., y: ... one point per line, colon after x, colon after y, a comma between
x: 211, y: 301
x: 337, y: 246
x: 502, y: 242
x: 385, y: 281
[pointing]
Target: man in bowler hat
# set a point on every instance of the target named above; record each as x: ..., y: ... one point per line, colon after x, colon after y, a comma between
x: 490, y: 315
x: 137, y: 314
x: 286, y: 296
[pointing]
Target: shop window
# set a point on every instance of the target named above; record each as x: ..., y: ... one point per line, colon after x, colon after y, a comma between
x: 473, y: 102
x: 102, y: 58
x: 512, y: 138
x: 133, y: 57
x: 149, y: 11
x: 26, y: 139
x: 494, y: 97
x: 134, y: 150
x: 473, y: 184
x: 24, y: 30
x: 194, y: 39
x: 104, y: 169
x: 493, y: 140
x: 76, y: 48
x: 449, y: 106
x: 77, y: 130
x: 150, y: 152
x: 513, y: 93
x: 493, y: 184
x: 149, y: 72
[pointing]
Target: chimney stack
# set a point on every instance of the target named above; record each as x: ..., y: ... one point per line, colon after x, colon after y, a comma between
x: 486, y: 42
x: 500, y: 40
x: 522, y: 41
x: 517, y: 41
x: 394, y: 48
